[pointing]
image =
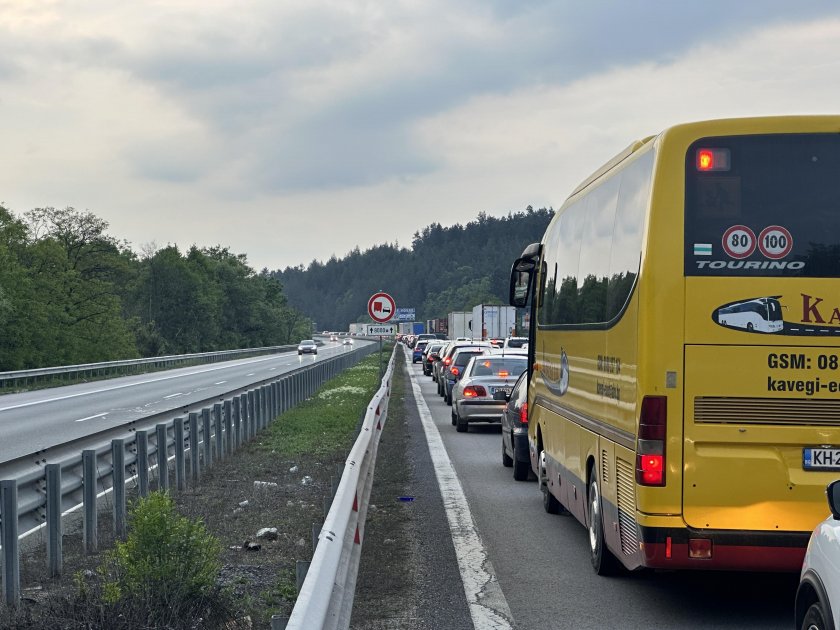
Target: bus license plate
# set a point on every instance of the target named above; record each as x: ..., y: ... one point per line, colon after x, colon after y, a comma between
x: 820, y: 458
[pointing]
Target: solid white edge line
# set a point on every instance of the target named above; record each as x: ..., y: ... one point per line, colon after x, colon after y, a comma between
x: 99, y: 415
x: 487, y: 603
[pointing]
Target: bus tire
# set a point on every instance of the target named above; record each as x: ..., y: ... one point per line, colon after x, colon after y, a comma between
x: 550, y: 502
x: 603, y: 561
x: 814, y: 618
x: 507, y: 460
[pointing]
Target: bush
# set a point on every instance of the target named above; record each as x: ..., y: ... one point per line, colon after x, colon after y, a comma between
x: 167, y: 569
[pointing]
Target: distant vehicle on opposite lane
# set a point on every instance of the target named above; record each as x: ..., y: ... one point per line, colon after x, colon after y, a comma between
x: 307, y: 346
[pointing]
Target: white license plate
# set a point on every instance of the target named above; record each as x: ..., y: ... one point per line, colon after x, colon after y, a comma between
x: 506, y: 390
x: 820, y: 458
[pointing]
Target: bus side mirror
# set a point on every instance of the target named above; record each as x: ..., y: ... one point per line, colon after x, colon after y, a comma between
x: 520, y: 281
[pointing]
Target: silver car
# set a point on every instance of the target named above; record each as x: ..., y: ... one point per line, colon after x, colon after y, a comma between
x: 484, y: 376
x: 307, y: 346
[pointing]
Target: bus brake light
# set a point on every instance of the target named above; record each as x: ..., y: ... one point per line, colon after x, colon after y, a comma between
x: 650, y: 444
x: 713, y: 160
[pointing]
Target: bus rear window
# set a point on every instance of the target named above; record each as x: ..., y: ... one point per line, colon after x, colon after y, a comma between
x: 764, y: 205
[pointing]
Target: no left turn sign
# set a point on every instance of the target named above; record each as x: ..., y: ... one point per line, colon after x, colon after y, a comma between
x: 381, y: 307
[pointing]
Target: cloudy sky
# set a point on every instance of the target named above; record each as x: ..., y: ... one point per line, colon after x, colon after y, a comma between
x: 292, y: 130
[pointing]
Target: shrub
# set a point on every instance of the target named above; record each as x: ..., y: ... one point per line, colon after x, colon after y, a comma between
x: 168, y: 566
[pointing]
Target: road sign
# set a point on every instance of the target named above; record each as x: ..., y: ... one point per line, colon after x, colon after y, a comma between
x: 405, y: 314
x: 381, y: 307
x: 374, y: 330
x: 739, y: 242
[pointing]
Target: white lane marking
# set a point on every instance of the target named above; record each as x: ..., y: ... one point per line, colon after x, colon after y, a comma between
x: 99, y: 415
x: 173, y: 395
x: 488, y: 606
x: 123, y: 386
x: 251, y: 374
x: 220, y: 383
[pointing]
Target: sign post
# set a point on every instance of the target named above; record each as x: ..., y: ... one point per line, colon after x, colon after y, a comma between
x: 381, y: 308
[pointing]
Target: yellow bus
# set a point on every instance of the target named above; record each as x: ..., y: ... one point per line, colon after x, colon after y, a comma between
x: 684, y: 398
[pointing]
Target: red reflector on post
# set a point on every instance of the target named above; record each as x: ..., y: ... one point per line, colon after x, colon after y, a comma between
x: 700, y: 548
x: 668, y: 547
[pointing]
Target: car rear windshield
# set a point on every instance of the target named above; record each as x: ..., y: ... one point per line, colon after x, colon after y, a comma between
x: 501, y: 367
x: 763, y: 205
x: 462, y: 358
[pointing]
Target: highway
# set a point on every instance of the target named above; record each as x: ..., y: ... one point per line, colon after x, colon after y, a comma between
x: 541, y: 561
x: 36, y: 420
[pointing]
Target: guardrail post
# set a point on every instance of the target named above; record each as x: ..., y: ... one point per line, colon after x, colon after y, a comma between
x: 162, y: 457
x: 263, y: 397
x: 217, y: 427
x: 253, y: 414
x: 118, y: 476
x: 180, y: 463
x: 228, y: 427
x: 141, y: 439
x: 54, y: 528
x: 11, y: 556
x: 301, y: 569
x: 205, y: 438
x: 237, y: 419
x: 89, y: 500
x: 194, y: 449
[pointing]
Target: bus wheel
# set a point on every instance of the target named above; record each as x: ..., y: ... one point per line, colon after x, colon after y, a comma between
x: 603, y: 561
x: 507, y: 460
x: 550, y: 502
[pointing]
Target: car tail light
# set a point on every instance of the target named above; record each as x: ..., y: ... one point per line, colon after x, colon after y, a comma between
x: 523, y: 413
x: 650, y: 445
x: 504, y: 373
x: 474, y: 391
x: 447, y: 361
x: 454, y: 371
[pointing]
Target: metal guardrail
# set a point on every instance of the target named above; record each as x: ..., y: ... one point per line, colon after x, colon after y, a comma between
x: 325, y: 600
x: 66, y: 479
x: 134, y: 365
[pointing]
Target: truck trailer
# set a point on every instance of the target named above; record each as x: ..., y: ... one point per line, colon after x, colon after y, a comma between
x: 493, y: 322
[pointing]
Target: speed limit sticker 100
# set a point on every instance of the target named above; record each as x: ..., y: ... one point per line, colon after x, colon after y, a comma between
x: 775, y: 242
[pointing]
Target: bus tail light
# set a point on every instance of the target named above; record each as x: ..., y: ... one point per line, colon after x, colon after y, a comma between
x: 650, y: 445
x: 523, y: 413
x: 700, y: 548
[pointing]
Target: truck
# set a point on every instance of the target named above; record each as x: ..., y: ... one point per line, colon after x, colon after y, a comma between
x: 357, y: 328
x: 493, y: 321
x: 404, y: 328
x: 458, y: 324
x: 417, y: 328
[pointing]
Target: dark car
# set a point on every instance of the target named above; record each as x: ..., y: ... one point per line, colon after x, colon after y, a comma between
x: 515, y: 429
x: 430, y: 355
x: 417, y: 350
x: 455, y: 370
x: 307, y: 346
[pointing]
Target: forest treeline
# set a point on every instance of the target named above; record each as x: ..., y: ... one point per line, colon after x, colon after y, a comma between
x: 447, y: 269
x: 71, y: 293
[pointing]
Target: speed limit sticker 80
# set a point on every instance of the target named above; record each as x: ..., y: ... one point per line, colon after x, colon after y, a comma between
x: 738, y: 242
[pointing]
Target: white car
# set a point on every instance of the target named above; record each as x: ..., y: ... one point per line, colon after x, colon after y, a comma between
x: 818, y: 596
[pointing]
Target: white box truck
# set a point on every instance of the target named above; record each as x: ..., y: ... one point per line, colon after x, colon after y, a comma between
x: 458, y: 324
x: 493, y: 322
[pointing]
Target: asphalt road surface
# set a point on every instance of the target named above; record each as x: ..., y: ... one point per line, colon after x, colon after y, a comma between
x: 37, y: 420
x: 527, y: 569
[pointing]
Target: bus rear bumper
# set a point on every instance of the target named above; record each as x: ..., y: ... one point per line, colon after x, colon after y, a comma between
x: 681, y: 548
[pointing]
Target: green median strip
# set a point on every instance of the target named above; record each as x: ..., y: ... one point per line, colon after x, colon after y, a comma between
x: 329, y: 419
